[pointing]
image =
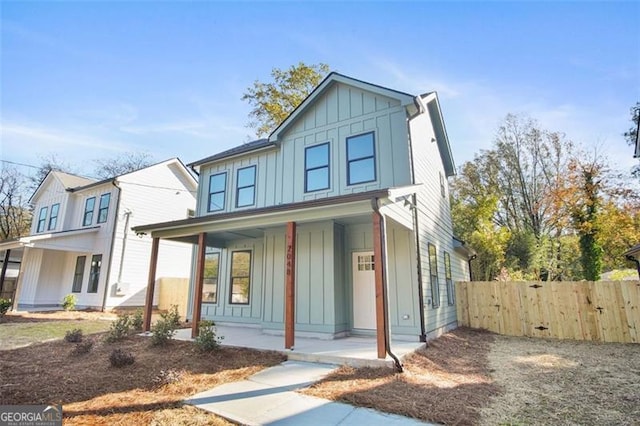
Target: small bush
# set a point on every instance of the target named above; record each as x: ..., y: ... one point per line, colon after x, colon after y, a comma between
x: 120, y: 358
x: 166, y: 377
x: 82, y: 348
x: 207, y: 339
x: 73, y: 336
x: 162, y: 331
x: 5, y: 304
x: 136, y: 320
x: 119, y: 329
x: 69, y: 302
x: 172, y: 316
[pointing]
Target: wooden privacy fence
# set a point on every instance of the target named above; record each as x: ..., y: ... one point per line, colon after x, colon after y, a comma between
x: 173, y: 291
x: 604, y: 311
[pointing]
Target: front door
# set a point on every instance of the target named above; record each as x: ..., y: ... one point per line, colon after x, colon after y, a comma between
x: 364, y: 291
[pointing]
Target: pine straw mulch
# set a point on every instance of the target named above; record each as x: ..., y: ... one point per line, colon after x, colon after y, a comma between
x: 447, y: 382
x: 94, y: 393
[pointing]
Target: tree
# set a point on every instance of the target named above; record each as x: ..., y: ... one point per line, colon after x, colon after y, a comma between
x: 15, y: 215
x: 272, y: 102
x: 631, y: 135
x: 49, y: 162
x: 124, y: 163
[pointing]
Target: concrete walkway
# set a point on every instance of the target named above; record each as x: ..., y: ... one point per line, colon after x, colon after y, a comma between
x: 269, y: 398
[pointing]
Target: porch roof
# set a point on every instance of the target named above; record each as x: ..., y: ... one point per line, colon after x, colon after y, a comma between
x: 325, y: 208
x: 33, y: 240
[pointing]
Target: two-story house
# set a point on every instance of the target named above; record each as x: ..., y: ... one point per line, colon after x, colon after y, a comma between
x: 81, y: 241
x: 337, y: 224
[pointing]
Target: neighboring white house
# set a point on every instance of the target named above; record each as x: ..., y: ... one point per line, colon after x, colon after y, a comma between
x: 338, y: 224
x: 81, y: 240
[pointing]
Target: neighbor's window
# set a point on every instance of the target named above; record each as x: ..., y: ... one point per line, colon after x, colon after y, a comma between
x: 53, y: 219
x: 78, y: 274
x: 89, y: 206
x: 447, y: 274
x: 103, y: 209
x: 42, y: 219
x: 240, y: 277
x: 361, y: 159
x: 245, y: 194
x: 316, y: 167
x: 217, y: 190
x: 433, y: 271
x: 210, y: 285
x: 94, y: 274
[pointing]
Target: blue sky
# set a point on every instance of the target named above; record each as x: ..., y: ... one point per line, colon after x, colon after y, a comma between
x: 88, y: 80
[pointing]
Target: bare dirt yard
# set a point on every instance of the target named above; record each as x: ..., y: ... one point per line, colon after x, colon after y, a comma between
x: 470, y: 377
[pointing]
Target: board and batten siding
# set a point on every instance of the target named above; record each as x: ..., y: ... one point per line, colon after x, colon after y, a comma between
x: 341, y: 112
x: 434, y: 218
x: 54, y: 193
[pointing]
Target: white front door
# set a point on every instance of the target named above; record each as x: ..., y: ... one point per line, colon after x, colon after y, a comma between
x: 364, y: 290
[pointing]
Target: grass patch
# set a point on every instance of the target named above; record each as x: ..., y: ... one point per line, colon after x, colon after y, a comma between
x: 17, y: 334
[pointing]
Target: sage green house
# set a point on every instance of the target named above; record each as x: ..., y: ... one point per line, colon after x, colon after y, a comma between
x: 337, y: 224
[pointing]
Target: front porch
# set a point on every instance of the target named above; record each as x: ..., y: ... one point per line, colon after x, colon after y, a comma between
x: 356, y: 351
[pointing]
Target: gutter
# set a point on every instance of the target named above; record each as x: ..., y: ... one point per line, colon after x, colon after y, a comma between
x: 385, y: 302
x: 636, y: 261
x: 113, y: 241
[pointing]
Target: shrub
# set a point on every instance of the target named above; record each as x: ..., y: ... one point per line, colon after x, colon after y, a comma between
x: 69, y: 302
x: 73, y: 336
x: 119, y: 329
x: 5, y: 304
x: 120, y: 358
x: 207, y: 339
x: 172, y: 316
x: 162, y: 331
x: 82, y: 348
x: 136, y: 320
x: 166, y: 377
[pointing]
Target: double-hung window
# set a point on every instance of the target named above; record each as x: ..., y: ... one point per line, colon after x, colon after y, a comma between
x: 89, y: 206
x: 78, y: 274
x: 210, y: 284
x: 361, y: 159
x: 217, y: 190
x: 447, y: 275
x: 53, y: 218
x: 240, y: 277
x: 103, y: 209
x: 316, y: 167
x: 42, y: 219
x: 246, y: 192
x: 94, y: 273
x: 433, y: 273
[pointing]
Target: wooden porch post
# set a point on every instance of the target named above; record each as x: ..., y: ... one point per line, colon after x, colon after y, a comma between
x: 197, y: 295
x: 148, y: 305
x: 378, y: 263
x: 290, y: 287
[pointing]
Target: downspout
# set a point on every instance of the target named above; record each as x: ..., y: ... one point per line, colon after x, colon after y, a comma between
x: 472, y: 257
x: 423, y: 327
x: 383, y: 261
x: 636, y: 261
x: 127, y: 214
x: 113, y: 241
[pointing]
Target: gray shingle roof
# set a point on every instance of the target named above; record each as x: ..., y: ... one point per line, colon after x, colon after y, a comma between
x: 241, y: 149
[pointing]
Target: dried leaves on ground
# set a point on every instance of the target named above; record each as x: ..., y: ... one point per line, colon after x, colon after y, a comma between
x: 447, y: 382
x: 93, y: 392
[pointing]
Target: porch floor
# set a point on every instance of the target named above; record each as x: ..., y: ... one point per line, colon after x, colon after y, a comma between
x: 354, y: 351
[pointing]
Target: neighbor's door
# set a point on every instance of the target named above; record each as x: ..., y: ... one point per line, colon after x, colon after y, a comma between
x: 364, y: 290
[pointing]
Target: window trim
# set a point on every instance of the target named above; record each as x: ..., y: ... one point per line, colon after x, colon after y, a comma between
x: 232, y: 277
x: 53, y: 218
x: 88, y: 212
x: 433, y: 276
x: 352, y: 160
x: 238, y: 187
x: 42, y: 219
x: 451, y: 297
x: 217, y: 254
x: 76, y: 276
x: 223, y: 192
x: 100, y: 208
x: 98, y: 257
x: 327, y: 166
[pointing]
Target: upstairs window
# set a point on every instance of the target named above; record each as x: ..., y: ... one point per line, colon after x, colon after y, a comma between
x: 361, y: 159
x: 210, y: 284
x: 447, y: 275
x: 316, y: 168
x: 433, y: 273
x: 89, y: 206
x: 217, y: 189
x: 103, y: 209
x: 53, y: 219
x: 240, y: 277
x: 246, y: 192
x: 42, y: 219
